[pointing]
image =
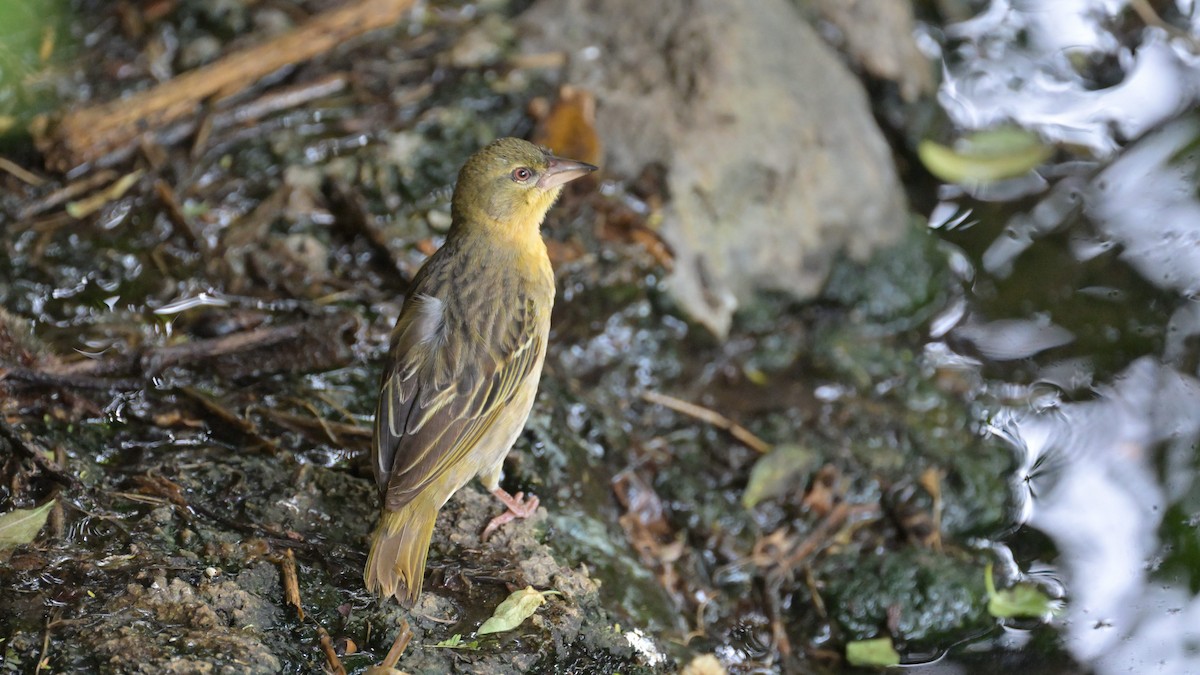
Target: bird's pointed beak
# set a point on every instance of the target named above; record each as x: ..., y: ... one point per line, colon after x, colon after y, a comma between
x: 561, y: 171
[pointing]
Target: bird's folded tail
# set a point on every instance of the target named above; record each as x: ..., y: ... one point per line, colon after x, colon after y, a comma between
x: 396, y: 564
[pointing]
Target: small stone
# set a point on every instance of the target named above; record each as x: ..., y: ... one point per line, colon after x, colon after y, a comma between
x: 704, y: 664
x: 200, y: 50
x: 438, y: 220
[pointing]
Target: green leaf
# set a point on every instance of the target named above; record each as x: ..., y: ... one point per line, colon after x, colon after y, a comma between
x: 777, y: 472
x: 1023, y: 600
x: 985, y: 156
x: 455, y: 643
x: 452, y: 641
x: 874, y: 652
x: 20, y: 526
x: 517, y: 607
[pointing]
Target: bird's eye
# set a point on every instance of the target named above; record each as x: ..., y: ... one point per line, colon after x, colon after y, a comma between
x: 521, y: 174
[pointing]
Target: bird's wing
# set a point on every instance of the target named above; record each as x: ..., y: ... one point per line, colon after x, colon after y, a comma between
x: 449, y: 384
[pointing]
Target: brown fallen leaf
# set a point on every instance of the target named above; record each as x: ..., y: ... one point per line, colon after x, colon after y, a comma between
x: 824, y: 491
x: 624, y: 225
x: 568, y: 126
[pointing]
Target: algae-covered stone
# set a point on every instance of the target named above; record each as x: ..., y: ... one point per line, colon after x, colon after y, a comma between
x: 905, y: 281
x: 922, y: 594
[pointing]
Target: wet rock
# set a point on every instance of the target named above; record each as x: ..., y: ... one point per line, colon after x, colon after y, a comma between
x: 878, y: 35
x: 468, y: 578
x: 774, y: 162
x: 912, y: 594
x: 900, y: 286
x: 482, y: 44
x: 241, y: 601
x: 209, y: 622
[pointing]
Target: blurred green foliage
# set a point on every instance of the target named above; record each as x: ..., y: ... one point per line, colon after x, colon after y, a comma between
x: 33, y: 37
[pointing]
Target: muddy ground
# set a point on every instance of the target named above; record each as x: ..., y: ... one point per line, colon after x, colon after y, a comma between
x: 189, y: 371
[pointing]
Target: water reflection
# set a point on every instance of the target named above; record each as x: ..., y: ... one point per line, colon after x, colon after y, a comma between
x: 1108, y: 461
x: 1097, y: 479
x: 1044, y: 66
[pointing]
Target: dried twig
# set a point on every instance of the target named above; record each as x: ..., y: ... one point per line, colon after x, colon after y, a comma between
x: 931, y: 481
x: 48, y: 378
x: 66, y: 194
x: 271, y: 535
x: 90, y: 134
x: 296, y: 347
x: 338, y: 433
x: 43, y: 661
x: 716, y: 419
x: 234, y: 420
x: 403, y: 637
x: 353, y: 216
x: 36, y: 454
x: 1146, y: 13
x: 774, y: 593
x: 98, y: 200
x: 291, y: 596
x: 283, y: 98
x: 174, y: 211
x: 782, y: 556
x: 21, y: 172
x: 291, y: 584
x: 335, y: 664
x: 824, y: 530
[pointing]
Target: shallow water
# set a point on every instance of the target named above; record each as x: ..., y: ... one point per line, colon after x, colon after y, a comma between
x: 1082, y: 312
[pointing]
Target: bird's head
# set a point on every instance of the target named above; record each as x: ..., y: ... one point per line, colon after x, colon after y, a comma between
x: 511, y: 184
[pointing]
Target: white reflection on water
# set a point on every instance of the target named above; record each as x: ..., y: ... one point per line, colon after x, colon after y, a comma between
x: 1099, y: 474
x: 1144, y: 204
x: 1018, y: 65
x: 1092, y: 472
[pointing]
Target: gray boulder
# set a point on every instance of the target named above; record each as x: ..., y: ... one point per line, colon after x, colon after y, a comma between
x: 774, y: 162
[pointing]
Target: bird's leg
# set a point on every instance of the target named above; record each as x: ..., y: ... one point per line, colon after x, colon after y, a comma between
x: 518, y: 507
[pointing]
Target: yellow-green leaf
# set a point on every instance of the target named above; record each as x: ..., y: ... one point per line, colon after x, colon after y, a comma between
x: 1023, y: 600
x: 985, y: 156
x: 874, y: 652
x: 89, y: 205
x: 456, y: 642
x: 778, y: 471
x: 20, y: 526
x: 517, y: 607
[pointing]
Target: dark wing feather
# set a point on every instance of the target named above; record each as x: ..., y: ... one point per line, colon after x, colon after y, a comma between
x: 446, y: 389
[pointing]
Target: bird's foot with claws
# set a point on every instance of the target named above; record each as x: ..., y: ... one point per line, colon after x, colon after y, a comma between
x: 518, y: 507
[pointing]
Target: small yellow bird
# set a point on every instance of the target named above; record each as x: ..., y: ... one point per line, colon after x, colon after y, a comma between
x: 466, y: 356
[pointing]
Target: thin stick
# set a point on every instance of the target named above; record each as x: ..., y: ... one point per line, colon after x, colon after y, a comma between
x: 291, y: 584
x: 335, y: 432
x: 335, y: 664
x: 44, y: 658
x: 36, y: 453
x: 398, y: 646
x: 166, y: 194
x: 931, y: 481
x: 66, y: 194
x: 716, y: 419
x: 824, y: 530
x: 90, y: 134
x: 291, y: 596
x: 20, y: 172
